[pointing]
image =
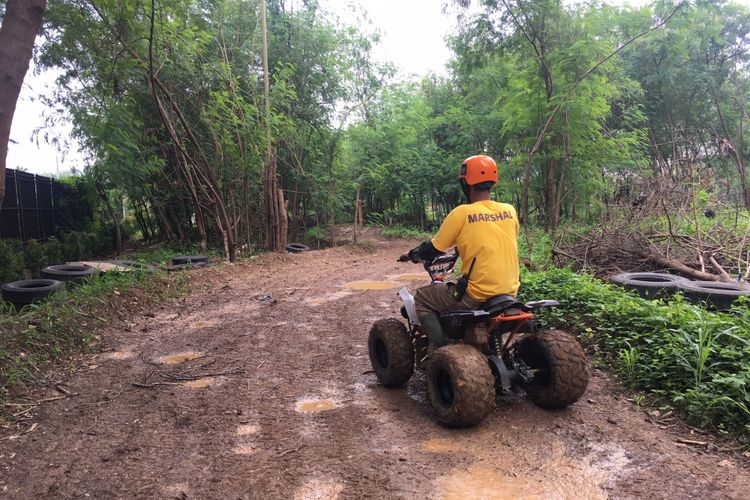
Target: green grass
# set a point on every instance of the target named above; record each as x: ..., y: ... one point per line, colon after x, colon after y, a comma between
x: 405, y: 232
x: 47, y: 334
x: 695, y: 360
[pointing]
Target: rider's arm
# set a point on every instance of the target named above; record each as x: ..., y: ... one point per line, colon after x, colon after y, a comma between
x: 425, y: 252
x: 450, y: 229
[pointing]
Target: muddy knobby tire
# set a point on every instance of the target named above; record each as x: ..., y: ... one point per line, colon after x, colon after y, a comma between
x: 460, y: 385
x: 391, y: 352
x: 566, y: 370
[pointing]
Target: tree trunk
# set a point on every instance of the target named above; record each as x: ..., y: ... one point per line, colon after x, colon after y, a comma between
x: 22, y: 21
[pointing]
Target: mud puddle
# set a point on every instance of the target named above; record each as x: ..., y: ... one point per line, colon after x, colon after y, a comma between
x: 200, y: 325
x: 371, y: 285
x: 181, y: 357
x: 247, y: 429
x: 412, y: 277
x: 316, y: 301
x: 118, y: 355
x: 202, y: 383
x: 319, y: 490
x: 525, y: 472
x: 244, y: 449
x: 437, y: 445
x: 315, y: 405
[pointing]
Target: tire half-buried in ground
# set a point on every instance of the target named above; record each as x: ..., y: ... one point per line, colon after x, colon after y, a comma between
x: 391, y: 352
x: 69, y: 272
x: 562, y: 372
x: 297, y: 247
x: 189, y: 259
x: 186, y: 266
x: 29, y: 291
x: 649, y: 285
x: 713, y: 293
x: 460, y: 385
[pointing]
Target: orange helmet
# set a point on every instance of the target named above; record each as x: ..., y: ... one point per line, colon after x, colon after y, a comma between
x: 478, y: 169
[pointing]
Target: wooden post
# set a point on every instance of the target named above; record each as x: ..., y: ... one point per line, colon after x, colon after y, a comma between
x: 357, y: 212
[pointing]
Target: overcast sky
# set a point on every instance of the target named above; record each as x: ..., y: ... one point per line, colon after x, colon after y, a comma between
x: 413, y: 38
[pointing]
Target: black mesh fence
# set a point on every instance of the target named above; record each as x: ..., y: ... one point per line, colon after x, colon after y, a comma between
x: 36, y: 207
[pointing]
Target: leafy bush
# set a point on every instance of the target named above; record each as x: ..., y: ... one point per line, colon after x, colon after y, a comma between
x: 11, y: 260
x: 696, y: 359
x: 34, y: 257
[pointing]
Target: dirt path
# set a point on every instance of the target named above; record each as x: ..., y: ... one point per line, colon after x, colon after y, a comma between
x: 290, y: 411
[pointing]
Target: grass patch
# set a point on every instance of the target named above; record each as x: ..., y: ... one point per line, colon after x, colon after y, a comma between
x: 43, y: 335
x: 696, y: 360
x: 405, y: 232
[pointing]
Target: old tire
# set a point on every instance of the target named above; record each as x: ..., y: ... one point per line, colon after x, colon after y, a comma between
x: 69, y: 272
x: 189, y: 259
x: 297, y: 247
x: 713, y: 293
x: 391, y: 352
x: 649, y: 285
x: 460, y: 385
x: 563, y: 370
x: 29, y: 291
x: 185, y: 267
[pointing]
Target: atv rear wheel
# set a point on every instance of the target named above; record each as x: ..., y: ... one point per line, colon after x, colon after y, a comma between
x: 561, y: 371
x: 460, y: 385
x: 391, y: 352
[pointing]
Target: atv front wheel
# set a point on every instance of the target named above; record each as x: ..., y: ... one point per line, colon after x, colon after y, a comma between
x: 391, y: 352
x: 460, y: 385
x: 561, y: 373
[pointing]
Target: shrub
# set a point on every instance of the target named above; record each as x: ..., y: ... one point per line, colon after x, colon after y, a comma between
x: 698, y: 360
x: 11, y: 260
x: 34, y: 257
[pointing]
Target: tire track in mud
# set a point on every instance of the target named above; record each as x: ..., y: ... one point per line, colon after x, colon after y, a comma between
x: 306, y: 419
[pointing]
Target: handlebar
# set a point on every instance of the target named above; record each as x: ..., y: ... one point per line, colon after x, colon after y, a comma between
x: 440, y: 267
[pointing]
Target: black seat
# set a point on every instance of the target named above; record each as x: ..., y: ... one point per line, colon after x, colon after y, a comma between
x: 498, y: 303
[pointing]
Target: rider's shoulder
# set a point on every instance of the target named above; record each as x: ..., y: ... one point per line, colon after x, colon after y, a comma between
x: 505, y: 206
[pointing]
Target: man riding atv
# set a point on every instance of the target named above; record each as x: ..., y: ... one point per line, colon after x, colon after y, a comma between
x: 486, y: 235
x: 473, y: 339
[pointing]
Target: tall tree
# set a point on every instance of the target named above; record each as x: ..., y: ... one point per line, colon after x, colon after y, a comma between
x: 21, y: 22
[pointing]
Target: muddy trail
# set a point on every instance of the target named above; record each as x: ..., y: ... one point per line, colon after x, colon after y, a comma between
x: 257, y: 385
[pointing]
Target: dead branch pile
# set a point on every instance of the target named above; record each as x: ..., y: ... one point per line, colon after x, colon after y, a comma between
x: 647, y: 243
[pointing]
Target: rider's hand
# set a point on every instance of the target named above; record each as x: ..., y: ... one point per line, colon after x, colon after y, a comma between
x: 413, y: 255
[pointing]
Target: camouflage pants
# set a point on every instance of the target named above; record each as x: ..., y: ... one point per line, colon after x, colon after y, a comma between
x: 439, y: 297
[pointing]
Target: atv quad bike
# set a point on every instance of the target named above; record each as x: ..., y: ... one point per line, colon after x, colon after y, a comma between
x: 492, y: 350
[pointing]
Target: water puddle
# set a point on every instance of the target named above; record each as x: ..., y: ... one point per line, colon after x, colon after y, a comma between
x: 525, y: 475
x: 202, y: 382
x: 247, y: 429
x: 178, y: 358
x: 199, y: 325
x: 413, y: 277
x: 244, y: 449
x: 484, y: 482
x: 315, y: 405
x: 316, y: 301
x: 437, y: 445
x: 118, y: 355
x: 319, y: 490
x: 371, y: 285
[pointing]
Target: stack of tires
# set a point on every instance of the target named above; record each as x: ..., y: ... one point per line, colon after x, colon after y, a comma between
x: 713, y: 294
x: 54, y: 278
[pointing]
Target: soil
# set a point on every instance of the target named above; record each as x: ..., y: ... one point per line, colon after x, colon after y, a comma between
x: 237, y: 397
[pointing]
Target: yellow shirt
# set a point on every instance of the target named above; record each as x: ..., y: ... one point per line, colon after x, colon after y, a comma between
x: 487, y: 231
